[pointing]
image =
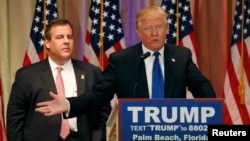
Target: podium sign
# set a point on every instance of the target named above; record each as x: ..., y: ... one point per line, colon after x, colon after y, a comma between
x: 167, y: 119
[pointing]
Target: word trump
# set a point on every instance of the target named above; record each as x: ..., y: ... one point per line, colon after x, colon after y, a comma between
x: 171, y: 114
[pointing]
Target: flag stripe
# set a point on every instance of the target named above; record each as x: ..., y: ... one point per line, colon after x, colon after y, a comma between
x: 2, y: 119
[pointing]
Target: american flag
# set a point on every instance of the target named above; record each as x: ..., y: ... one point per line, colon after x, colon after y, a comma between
x: 237, y: 79
x: 2, y: 119
x: 181, y: 31
x: 101, y: 42
x: 45, y: 11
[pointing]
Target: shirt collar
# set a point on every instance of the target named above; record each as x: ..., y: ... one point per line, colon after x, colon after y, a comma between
x: 144, y: 50
x: 65, y: 66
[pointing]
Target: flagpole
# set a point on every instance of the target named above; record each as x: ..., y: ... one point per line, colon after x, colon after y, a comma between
x: 44, y: 27
x: 177, y: 22
x: 101, y: 36
x: 241, y: 86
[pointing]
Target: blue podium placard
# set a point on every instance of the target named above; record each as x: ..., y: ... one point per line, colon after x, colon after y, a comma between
x: 167, y: 119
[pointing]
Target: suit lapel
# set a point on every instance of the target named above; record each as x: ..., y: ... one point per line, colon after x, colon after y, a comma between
x: 47, y: 77
x: 80, y: 78
x: 139, y: 73
x: 169, y: 62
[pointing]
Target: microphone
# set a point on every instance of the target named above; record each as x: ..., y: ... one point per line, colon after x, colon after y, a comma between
x: 143, y: 57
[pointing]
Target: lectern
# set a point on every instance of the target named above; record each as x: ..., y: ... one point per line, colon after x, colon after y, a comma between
x: 163, y: 119
x: 112, y: 124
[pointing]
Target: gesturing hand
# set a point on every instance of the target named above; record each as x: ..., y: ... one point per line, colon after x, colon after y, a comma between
x: 55, y: 106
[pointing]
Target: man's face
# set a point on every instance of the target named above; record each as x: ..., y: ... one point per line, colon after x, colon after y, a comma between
x: 61, y: 44
x: 152, y: 33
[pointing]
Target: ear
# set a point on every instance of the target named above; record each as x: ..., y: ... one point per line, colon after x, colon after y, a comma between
x: 138, y: 32
x: 47, y: 43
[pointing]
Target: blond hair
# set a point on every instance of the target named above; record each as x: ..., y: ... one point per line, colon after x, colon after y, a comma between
x: 151, y: 12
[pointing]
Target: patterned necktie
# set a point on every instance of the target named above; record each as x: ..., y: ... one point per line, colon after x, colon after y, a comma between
x: 157, y: 78
x: 60, y: 91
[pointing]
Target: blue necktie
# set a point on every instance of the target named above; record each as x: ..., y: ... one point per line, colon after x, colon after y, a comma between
x: 157, y: 79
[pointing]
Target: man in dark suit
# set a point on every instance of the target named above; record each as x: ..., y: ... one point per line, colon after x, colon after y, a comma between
x: 129, y: 72
x: 33, y: 83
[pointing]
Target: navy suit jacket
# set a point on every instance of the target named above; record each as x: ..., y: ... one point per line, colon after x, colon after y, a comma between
x: 125, y: 75
x: 32, y: 85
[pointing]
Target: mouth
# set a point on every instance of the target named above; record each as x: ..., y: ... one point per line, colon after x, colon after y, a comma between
x: 66, y: 49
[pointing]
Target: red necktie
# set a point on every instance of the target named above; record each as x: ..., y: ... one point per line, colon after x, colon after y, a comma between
x: 60, y: 91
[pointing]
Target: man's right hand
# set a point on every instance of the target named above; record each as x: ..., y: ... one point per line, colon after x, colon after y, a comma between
x: 56, y: 106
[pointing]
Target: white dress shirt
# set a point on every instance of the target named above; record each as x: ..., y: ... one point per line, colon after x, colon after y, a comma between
x: 149, y: 61
x: 69, y: 80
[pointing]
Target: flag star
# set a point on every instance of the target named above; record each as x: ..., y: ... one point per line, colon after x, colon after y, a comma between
x: 38, y: 9
x: 174, y: 34
x: 37, y: 19
x: 47, y: 12
x: 41, y: 42
x: 240, y: 17
x: 93, y: 31
x: 111, y: 27
x: 186, y: 8
x: 182, y: 28
x: 102, y: 34
x: 95, y: 21
x: 247, y: 20
x: 245, y: 30
x: 97, y: 1
x: 105, y: 14
x: 35, y: 29
x: 55, y: 15
x: 238, y: 26
x: 48, y: 2
x: 99, y: 44
x: 119, y: 30
x: 114, y: 7
x: 106, y: 3
x: 97, y: 11
x: 113, y: 17
x: 164, y: 7
x: 169, y: 21
x: 104, y: 24
x: 171, y: 11
x: 110, y: 37
x: 184, y: 18
x: 42, y: 32
x: 235, y: 36
x: 191, y: 22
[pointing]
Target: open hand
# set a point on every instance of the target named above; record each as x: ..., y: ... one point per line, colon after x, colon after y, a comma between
x: 55, y: 106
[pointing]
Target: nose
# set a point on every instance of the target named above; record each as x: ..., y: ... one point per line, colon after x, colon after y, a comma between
x: 154, y: 31
x: 66, y: 39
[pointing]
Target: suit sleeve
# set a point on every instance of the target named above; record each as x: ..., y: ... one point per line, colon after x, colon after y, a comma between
x: 197, y: 83
x: 16, y: 110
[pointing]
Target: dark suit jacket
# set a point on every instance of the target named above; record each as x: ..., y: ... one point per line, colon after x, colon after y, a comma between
x: 32, y: 85
x: 125, y: 75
